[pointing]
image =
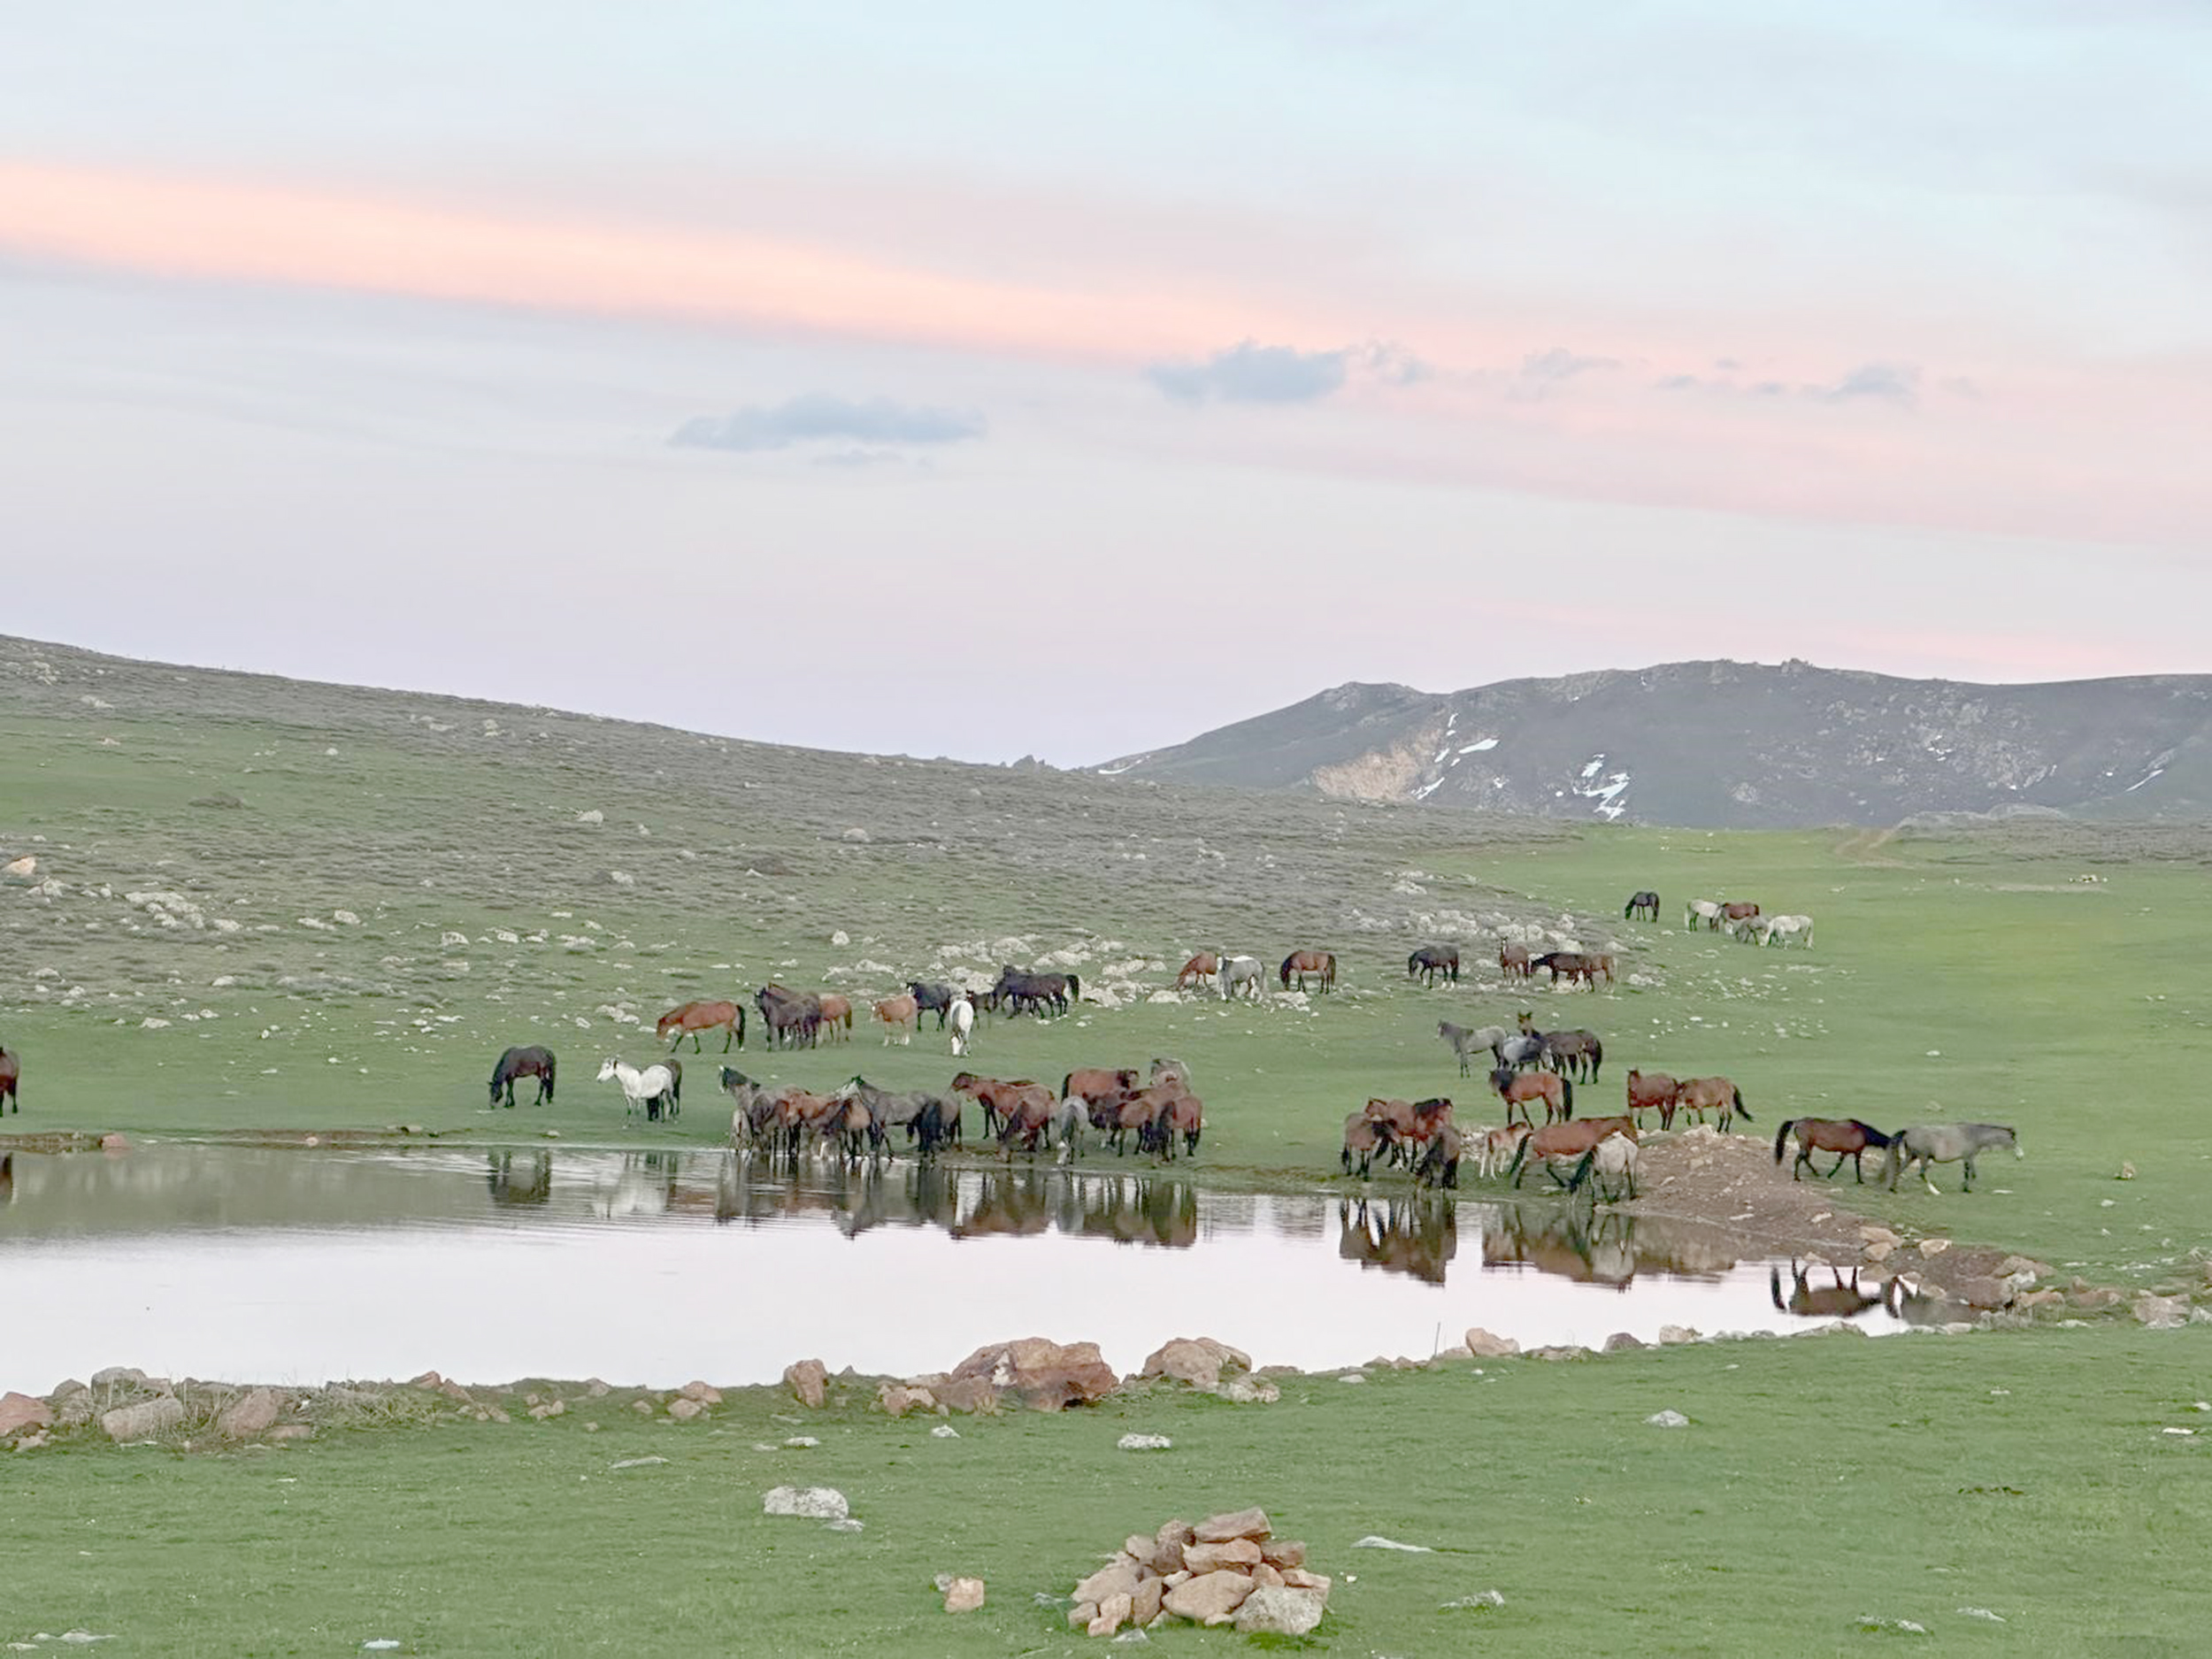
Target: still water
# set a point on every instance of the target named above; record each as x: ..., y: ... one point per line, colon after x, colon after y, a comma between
x: 291, y: 1266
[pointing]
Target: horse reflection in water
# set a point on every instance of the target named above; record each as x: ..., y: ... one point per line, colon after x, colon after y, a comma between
x: 1602, y: 1248
x: 1833, y: 1300
x: 1416, y: 1236
x: 518, y: 1178
x: 647, y: 1184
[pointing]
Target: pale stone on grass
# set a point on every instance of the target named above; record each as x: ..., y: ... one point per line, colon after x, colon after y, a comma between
x: 1278, y: 1611
x: 809, y: 1379
x: 1483, y: 1345
x: 1219, y: 1529
x: 146, y: 1417
x: 1210, y: 1597
x: 963, y: 1595
x: 817, y: 1503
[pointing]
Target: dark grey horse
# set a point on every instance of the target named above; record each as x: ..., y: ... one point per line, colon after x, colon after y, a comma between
x: 927, y: 996
x: 1927, y: 1144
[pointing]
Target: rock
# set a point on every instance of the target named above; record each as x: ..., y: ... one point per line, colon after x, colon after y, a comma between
x: 1279, y: 1611
x: 1219, y: 1529
x: 1929, y: 1248
x: 1877, y: 1254
x: 814, y: 1503
x: 1113, y: 1613
x: 113, y: 1142
x: 1210, y: 1598
x: 1240, y: 1552
x: 963, y: 1595
x: 1144, y: 1603
x: 899, y: 1399
x: 1676, y: 1335
x: 1299, y: 1578
x: 144, y: 1420
x: 944, y: 1432
x: 706, y: 1394
x: 252, y: 1413
x: 967, y: 1394
x: 1196, y: 1359
x: 2022, y: 1267
x: 1168, y: 1545
x: 1243, y: 1391
x: 1143, y: 1443
x: 1283, y: 1552
x: 1263, y: 1574
x: 809, y: 1379
x: 845, y: 1524
x: 1668, y: 1420
x: 1042, y: 1374
x: 1621, y: 1342
x: 1117, y: 1577
x: 18, y: 1412
x: 2161, y: 1313
x: 73, y: 1406
x: 1376, y: 1541
x: 2127, y: 1171
x: 1483, y: 1345
x: 685, y: 1411
x: 1983, y: 1292
x: 550, y: 1409
x: 2096, y: 1299
x: 1873, y: 1234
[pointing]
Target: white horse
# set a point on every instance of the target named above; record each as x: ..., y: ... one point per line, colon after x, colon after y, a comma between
x: 651, y: 1088
x: 1243, y: 973
x: 1780, y: 928
x: 1700, y: 910
x: 1613, y: 1162
x: 1066, y: 1129
x: 961, y: 1017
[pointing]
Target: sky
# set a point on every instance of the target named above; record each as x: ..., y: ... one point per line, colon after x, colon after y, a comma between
x: 996, y: 380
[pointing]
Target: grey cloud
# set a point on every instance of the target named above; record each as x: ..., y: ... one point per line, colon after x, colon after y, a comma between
x: 1899, y: 382
x: 1249, y: 373
x: 1559, y: 363
x: 1393, y: 363
x: 818, y: 417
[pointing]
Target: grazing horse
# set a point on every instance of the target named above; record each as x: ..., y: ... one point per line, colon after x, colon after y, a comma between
x: 1715, y: 1094
x: 1245, y: 974
x: 1927, y: 1144
x: 1653, y: 1091
x: 1439, y: 1163
x: 1567, y: 1141
x: 651, y: 1088
x: 516, y: 1063
x: 963, y: 1013
x: 1363, y: 1138
x: 932, y: 998
x: 901, y: 1014
x: 1514, y: 958
x: 1846, y: 1137
x: 1839, y: 1300
x: 1780, y: 928
x: 1578, y: 1054
x: 693, y: 1018
x: 1737, y: 911
x: 998, y: 1096
x: 1575, y: 965
x: 1700, y: 910
x: 11, y: 1072
x: 1610, y: 1168
x: 1517, y: 1088
x: 1644, y: 905
x: 1431, y: 960
x: 1466, y: 1043
x: 1200, y: 970
x: 1320, y: 963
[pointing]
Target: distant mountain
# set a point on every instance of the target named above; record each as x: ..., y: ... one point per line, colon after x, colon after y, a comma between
x: 1731, y: 745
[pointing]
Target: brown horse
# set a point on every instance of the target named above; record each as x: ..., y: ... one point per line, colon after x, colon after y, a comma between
x: 837, y: 1011
x: 11, y: 1073
x: 1574, y: 965
x: 1517, y: 1088
x: 1363, y: 1137
x: 998, y: 1096
x: 1094, y: 1084
x: 1320, y: 963
x: 1200, y: 970
x: 1715, y: 1094
x: 693, y: 1018
x: 1652, y: 1091
x: 1742, y: 911
x: 1846, y: 1137
x: 898, y: 1014
x: 1515, y: 959
x: 1568, y: 1141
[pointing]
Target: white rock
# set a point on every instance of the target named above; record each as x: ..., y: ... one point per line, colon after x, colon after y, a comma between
x: 816, y: 1503
x: 1668, y: 1420
x: 1374, y: 1540
x: 1143, y: 1443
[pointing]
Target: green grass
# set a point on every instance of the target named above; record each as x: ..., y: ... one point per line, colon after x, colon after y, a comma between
x: 1823, y: 1481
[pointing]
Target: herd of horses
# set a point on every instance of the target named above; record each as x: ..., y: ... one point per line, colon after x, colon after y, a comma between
x: 1247, y: 975
x: 1922, y: 1144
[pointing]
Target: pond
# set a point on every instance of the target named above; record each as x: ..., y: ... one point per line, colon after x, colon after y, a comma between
x: 298, y: 1266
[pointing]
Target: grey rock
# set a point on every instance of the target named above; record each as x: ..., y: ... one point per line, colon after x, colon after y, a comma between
x: 818, y: 1503
x: 142, y: 1421
x: 1279, y: 1610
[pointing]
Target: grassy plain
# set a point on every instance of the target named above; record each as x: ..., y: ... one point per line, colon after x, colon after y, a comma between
x: 1823, y: 1482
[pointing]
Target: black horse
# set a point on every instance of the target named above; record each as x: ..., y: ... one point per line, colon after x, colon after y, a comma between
x: 1645, y: 904
x: 1017, y: 992
x: 537, y: 1063
x: 1431, y: 960
x: 927, y: 996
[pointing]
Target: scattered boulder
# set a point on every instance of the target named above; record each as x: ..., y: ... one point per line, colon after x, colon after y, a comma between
x: 963, y: 1595
x: 144, y: 1420
x: 1179, y: 1572
x: 684, y: 1410
x: 899, y: 1399
x: 706, y: 1394
x: 1210, y: 1597
x: 1039, y: 1373
x: 1483, y: 1345
x: 1280, y: 1610
x: 1621, y: 1342
x: 1676, y: 1335
x: 1668, y: 1419
x: 814, y: 1503
x: 2161, y: 1313
x: 1196, y: 1359
x: 1143, y: 1443
x: 809, y: 1379
x: 18, y: 1412
x: 1240, y: 1523
x: 252, y: 1414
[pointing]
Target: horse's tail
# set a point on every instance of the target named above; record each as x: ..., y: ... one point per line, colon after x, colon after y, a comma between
x: 1286, y: 972
x: 1782, y: 1135
x: 1742, y: 1110
x: 550, y: 1063
x: 1597, y: 1059
x: 1566, y: 1098
x: 1075, y: 989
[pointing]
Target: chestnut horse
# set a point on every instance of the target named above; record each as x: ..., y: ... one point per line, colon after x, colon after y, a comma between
x: 1846, y: 1137
x: 898, y: 1013
x: 516, y: 1063
x: 1200, y: 970
x: 1514, y: 959
x: 1652, y: 1091
x: 1517, y: 1088
x: 837, y: 1011
x: 1318, y: 963
x: 11, y: 1072
x: 1568, y: 1141
x: 1741, y: 911
x: 1716, y: 1094
x: 693, y: 1018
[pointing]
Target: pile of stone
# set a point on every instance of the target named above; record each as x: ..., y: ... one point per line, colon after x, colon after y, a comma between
x: 1227, y: 1570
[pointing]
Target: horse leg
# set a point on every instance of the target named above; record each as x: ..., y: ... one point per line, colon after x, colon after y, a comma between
x: 729, y: 1035
x: 1831, y: 1173
x: 1968, y: 1164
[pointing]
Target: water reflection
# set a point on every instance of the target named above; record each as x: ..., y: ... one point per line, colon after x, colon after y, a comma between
x: 190, y: 1244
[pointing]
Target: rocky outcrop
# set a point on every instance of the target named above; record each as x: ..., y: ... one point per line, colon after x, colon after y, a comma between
x: 1208, y: 1574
